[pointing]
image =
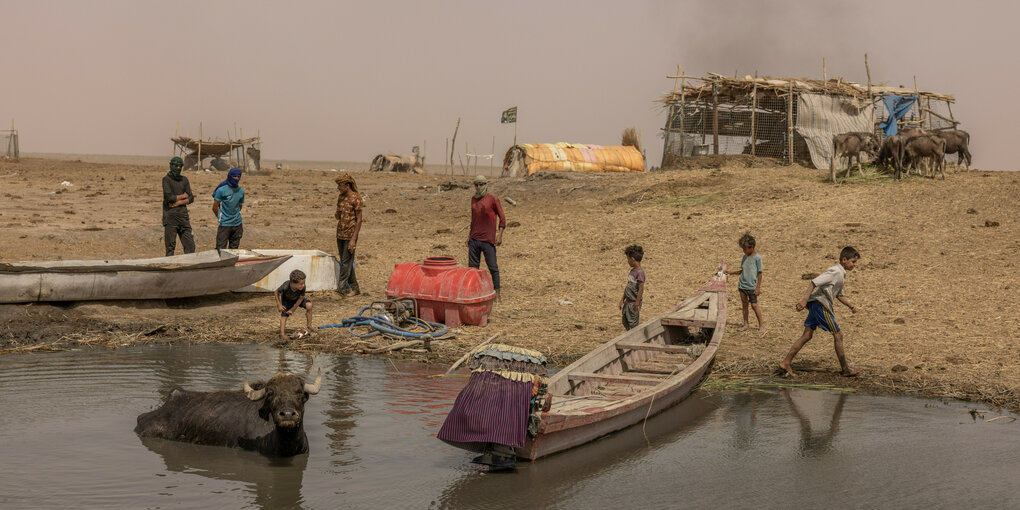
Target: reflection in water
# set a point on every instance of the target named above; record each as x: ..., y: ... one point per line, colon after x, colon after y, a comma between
x: 812, y: 443
x: 275, y: 482
x: 342, y: 411
x: 557, y: 474
x: 372, y: 443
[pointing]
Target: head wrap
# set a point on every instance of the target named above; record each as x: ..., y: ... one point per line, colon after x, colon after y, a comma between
x: 345, y: 177
x: 232, y: 180
x: 176, y: 165
x: 480, y: 191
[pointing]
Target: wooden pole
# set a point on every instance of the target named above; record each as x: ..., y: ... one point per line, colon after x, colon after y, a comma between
x: 446, y: 150
x: 871, y: 99
x: 920, y: 111
x: 454, y: 144
x: 825, y: 76
x: 472, y: 351
x: 199, y: 146
x: 669, y: 122
x: 683, y: 112
x: 515, y: 131
x: 754, y: 108
x: 715, y: 118
x: 789, y: 121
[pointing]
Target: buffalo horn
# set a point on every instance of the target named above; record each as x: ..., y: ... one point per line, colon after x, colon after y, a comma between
x: 313, y: 388
x: 253, y: 394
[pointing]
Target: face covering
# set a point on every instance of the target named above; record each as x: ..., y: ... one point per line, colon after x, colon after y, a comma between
x: 480, y: 191
x: 233, y: 179
x: 175, y: 173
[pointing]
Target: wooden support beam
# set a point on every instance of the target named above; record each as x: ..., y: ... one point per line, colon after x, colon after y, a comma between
x: 638, y: 346
x: 621, y: 379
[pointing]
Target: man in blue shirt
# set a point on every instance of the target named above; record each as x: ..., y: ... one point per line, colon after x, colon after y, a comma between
x: 228, y: 200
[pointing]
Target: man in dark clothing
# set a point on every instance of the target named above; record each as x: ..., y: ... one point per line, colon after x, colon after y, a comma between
x: 176, y: 197
x: 486, y: 234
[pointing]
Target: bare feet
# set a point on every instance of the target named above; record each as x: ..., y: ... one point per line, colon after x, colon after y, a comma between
x: 786, y: 368
x: 745, y: 326
x: 761, y: 331
x: 850, y: 373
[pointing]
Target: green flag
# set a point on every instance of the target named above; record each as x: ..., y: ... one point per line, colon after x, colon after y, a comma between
x: 509, y: 116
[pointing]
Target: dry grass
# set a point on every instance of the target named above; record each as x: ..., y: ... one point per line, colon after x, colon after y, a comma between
x: 935, y: 286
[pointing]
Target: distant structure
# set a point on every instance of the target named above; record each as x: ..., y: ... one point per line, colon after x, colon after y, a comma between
x: 392, y: 162
x: 526, y: 159
x: 244, y: 153
x: 9, y: 144
x: 789, y: 119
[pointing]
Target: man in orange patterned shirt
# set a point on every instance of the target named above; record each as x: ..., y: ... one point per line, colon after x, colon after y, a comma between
x: 348, y: 214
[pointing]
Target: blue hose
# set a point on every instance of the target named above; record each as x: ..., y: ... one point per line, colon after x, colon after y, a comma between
x: 380, y: 324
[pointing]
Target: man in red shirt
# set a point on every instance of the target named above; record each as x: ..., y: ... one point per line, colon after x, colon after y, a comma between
x: 486, y: 233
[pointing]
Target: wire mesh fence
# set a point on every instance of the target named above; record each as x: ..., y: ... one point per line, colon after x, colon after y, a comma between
x: 754, y: 124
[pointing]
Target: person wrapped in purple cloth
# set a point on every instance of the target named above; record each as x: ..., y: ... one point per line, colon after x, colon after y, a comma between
x: 493, y: 412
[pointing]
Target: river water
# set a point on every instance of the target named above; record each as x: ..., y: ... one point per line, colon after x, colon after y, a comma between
x: 66, y: 441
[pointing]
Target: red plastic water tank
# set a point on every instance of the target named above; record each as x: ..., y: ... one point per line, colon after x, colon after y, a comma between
x: 445, y: 293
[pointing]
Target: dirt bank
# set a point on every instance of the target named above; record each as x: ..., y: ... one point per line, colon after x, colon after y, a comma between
x: 936, y: 285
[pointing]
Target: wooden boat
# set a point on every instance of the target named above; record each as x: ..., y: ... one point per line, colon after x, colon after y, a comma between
x: 322, y: 270
x: 195, y: 274
x: 633, y: 376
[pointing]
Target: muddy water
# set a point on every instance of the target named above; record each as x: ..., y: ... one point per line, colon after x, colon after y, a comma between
x: 66, y: 441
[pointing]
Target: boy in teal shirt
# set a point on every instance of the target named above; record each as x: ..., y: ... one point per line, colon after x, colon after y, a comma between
x: 228, y: 200
x: 750, y: 279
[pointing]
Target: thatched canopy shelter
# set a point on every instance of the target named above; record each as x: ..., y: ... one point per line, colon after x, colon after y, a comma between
x: 241, y: 153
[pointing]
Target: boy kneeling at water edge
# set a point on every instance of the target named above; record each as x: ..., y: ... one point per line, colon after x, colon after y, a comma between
x: 818, y: 299
x: 289, y: 297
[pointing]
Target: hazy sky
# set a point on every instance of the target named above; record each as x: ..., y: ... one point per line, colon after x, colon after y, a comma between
x: 346, y: 81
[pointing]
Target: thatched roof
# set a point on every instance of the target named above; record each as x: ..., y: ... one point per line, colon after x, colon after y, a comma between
x: 213, y: 148
x: 738, y: 87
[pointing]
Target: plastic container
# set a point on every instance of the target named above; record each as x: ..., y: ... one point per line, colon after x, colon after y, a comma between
x: 445, y: 293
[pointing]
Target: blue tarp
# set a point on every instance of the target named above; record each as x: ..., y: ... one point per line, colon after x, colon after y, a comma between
x: 897, y: 106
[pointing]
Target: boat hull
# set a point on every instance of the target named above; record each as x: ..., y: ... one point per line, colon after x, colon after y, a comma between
x: 561, y: 431
x: 165, y: 282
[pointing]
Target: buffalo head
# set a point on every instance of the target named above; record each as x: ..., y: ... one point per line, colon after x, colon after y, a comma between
x: 283, y: 398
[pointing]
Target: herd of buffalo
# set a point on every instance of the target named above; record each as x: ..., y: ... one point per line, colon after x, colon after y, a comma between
x: 908, y: 149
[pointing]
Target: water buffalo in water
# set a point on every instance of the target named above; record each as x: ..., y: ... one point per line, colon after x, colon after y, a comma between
x: 265, y: 417
x: 850, y: 146
x: 926, y: 146
x: 957, y: 142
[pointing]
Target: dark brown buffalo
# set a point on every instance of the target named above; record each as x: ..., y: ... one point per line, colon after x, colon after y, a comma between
x: 850, y: 146
x: 926, y: 146
x: 891, y: 153
x: 265, y: 417
x: 957, y: 142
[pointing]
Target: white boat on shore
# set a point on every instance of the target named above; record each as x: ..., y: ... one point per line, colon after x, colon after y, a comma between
x: 322, y: 270
x: 195, y: 274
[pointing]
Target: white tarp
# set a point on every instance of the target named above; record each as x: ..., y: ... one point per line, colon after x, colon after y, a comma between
x: 820, y: 117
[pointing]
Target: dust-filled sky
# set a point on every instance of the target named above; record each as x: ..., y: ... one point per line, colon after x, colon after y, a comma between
x: 348, y: 80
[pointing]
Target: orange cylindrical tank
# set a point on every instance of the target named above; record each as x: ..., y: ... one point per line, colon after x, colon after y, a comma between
x: 445, y: 293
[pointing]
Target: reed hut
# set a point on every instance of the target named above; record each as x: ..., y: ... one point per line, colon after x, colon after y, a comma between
x: 526, y: 159
x: 790, y: 119
x: 396, y: 163
x: 239, y: 153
